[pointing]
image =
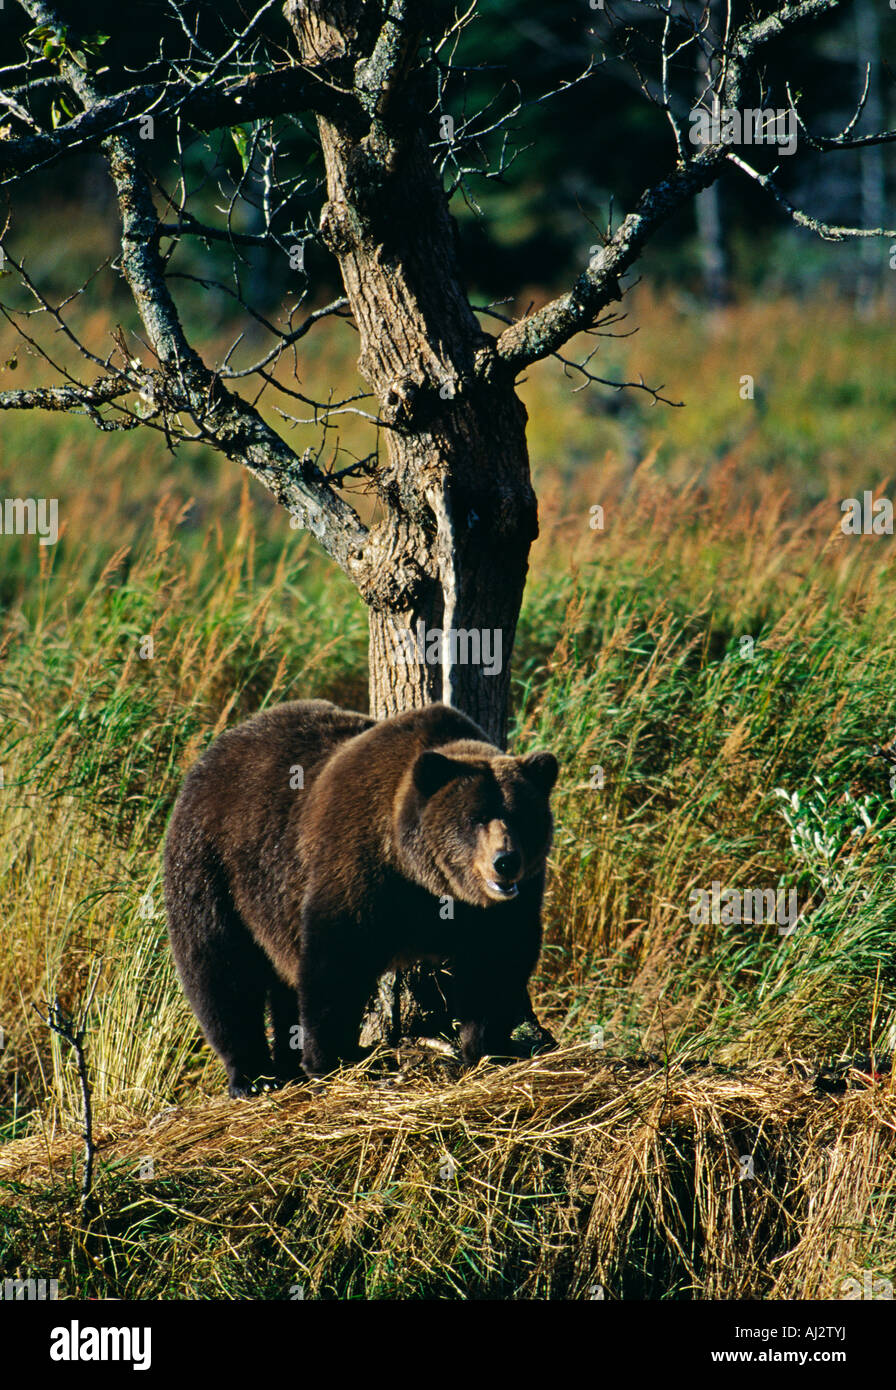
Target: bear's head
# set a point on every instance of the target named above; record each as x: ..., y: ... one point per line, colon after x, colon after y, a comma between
x: 475, y: 823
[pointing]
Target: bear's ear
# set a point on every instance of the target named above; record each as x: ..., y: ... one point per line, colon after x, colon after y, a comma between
x: 433, y: 770
x: 541, y: 769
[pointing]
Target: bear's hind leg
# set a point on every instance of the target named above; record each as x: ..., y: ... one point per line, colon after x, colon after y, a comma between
x: 226, y: 978
x: 233, y: 992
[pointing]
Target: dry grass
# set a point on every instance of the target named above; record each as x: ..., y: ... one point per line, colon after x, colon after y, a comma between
x: 551, y: 1179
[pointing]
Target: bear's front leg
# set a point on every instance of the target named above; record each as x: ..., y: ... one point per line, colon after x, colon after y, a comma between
x: 336, y: 978
x: 495, y: 1016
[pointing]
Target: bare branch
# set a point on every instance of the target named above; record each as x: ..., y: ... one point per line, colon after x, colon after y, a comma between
x: 67, y: 397
x: 188, y: 225
x: 667, y: 102
x: 750, y: 40
x: 590, y: 377
x: 845, y: 140
x: 230, y: 101
x: 546, y: 330
x: 582, y: 367
x: 335, y: 307
x: 822, y: 229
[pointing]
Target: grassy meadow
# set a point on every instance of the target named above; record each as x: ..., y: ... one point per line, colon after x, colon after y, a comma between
x: 713, y: 667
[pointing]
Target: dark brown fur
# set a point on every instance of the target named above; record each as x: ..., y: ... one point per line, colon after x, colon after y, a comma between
x: 300, y: 899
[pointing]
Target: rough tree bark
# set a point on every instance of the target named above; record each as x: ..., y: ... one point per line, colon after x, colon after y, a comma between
x: 460, y: 512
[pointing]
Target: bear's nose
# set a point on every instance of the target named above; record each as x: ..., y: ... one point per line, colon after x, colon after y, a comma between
x: 507, y: 863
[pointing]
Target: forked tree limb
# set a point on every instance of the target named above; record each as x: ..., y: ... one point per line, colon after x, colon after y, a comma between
x: 541, y: 333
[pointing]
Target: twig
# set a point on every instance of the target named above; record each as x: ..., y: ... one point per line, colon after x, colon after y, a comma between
x: 73, y: 1032
x: 822, y: 229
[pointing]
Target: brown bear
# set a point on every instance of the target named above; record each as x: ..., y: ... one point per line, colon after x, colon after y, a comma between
x: 313, y: 848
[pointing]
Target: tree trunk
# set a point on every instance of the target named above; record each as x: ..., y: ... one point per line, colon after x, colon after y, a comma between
x: 459, y: 511
x: 454, y: 644
x: 872, y: 167
x: 708, y: 203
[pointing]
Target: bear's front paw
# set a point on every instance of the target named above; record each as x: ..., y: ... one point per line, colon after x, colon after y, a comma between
x: 241, y: 1088
x: 529, y: 1039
